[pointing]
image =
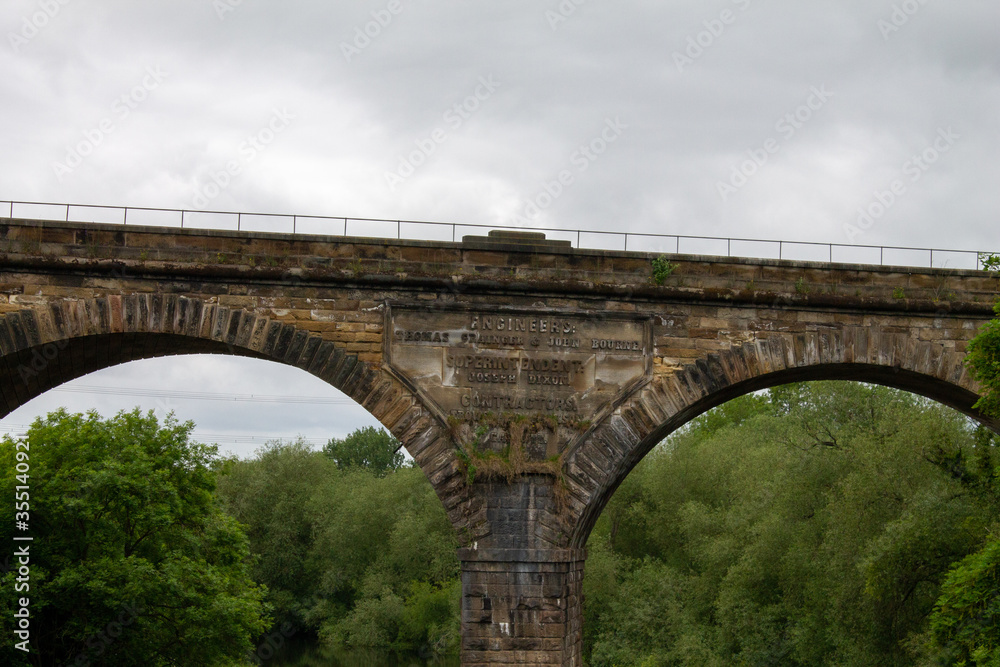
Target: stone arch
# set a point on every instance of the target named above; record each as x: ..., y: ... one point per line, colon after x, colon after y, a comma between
x: 596, y: 467
x: 44, y: 346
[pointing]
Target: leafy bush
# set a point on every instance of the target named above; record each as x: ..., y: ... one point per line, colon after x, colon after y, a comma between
x: 662, y: 269
x: 811, y: 525
x: 132, y: 562
x: 360, y: 554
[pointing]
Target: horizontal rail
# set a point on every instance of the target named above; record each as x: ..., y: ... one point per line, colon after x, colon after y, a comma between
x: 293, y: 223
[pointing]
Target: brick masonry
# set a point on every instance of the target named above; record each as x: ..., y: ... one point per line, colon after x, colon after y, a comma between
x: 75, y: 298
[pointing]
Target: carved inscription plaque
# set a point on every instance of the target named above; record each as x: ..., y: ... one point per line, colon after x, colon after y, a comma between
x: 473, y: 364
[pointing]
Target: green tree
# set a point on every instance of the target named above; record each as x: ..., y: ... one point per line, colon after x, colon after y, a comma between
x: 812, y: 525
x: 356, y: 556
x: 983, y: 360
x: 371, y: 448
x: 270, y: 496
x: 965, y: 625
x: 132, y: 562
x: 384, y: 551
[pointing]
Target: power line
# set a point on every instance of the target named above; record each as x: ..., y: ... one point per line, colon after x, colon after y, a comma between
x: 218, y: 438
x: 204, y: 395
x: 251, y: 439
x: 198, y: 436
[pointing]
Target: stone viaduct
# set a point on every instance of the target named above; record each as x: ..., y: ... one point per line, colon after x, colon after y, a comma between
x: 526, y: 378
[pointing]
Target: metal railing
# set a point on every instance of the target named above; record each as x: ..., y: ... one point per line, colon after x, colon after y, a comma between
x: 387, y: 228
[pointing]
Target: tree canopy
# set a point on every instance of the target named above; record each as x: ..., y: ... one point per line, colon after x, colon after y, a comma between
x: 370, y: 448
x: 983, y: 360
x: 132, y: 561
x: 965, y: 625
x: 355, y: 550
x: 815, y: 524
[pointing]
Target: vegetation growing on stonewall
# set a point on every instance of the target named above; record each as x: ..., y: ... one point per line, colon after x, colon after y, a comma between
x: 663, y: 268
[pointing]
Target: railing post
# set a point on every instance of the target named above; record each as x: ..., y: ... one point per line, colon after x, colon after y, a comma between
x: 831, y: 253
x: 453, y: 232
x: 293, y: 223
x: 779, y: 249
x: 881, y: 255
x: 578, y: 239
x: 67, y: 212
x: 239, y: 219
x: 932, y: 258
x: 729, y: 247
x: 182, y: 219
x: 345, y: 226
x: 125, y: 216
x: 626, y: 241
x: 399, y: 234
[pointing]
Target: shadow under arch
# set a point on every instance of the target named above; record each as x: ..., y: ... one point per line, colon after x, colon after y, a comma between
x: 617, y: 446
x: 42, y: 347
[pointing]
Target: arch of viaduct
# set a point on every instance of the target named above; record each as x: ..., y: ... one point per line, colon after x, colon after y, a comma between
x: 525, y: 378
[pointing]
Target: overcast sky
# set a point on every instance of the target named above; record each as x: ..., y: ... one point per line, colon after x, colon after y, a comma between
x: 748, y: 118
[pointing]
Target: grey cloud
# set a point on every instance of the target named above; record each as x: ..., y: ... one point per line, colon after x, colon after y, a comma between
x: 689, y: 127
